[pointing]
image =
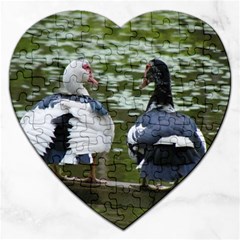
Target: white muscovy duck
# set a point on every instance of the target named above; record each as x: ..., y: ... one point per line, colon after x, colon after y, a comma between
x: 70, y: 128
x: 166, y: 144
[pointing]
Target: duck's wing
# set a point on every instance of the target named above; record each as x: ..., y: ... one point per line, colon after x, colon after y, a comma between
x: 92, y: 129
x: 38, y: 122
x: 155, y: 126
x: 163, y: 128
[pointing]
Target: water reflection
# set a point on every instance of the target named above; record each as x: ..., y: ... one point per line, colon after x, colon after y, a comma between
x: 196, y: 57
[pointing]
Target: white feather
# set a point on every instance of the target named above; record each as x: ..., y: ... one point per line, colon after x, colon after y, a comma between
x: 200, y: 135
x: 139, y: 166
x: 90, y: 132
x: 179, y: 141
x: 69, y: 158
x: 131, y: 135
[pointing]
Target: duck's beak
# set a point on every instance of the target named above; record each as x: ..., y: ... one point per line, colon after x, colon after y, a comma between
x: 144, y: 83
x: 145, y: 80
x: 92, y: 80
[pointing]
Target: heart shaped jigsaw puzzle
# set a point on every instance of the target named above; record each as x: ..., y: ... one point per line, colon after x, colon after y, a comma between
x: 121, y: 115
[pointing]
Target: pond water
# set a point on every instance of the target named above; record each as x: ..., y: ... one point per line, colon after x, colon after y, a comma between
x: 191, y: 48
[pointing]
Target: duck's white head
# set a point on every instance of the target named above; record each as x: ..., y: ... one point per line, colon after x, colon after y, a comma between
x: 76, y: 74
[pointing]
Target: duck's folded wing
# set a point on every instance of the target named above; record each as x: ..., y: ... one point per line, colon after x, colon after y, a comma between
x: 38, y: 123
x: 38, y: 126
x: 90, y: 131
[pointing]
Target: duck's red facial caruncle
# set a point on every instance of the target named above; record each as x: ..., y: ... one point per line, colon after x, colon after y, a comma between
x: 91, y: 78
x: 146, y: 80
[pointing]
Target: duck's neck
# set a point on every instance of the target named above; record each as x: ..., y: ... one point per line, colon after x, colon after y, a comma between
x: 82, y: 91
x: 77, y: 89
x: 162, y: 96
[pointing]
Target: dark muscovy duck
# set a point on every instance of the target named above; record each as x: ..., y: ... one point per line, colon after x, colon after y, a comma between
x: 166, y: 144
x: 70, y: 128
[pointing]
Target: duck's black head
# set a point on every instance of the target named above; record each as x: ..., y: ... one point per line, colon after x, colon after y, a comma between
x: 157, y: 72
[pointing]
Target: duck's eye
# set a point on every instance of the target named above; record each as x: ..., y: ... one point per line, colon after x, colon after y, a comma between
x: 86, y: 67
x: 148, y: 66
